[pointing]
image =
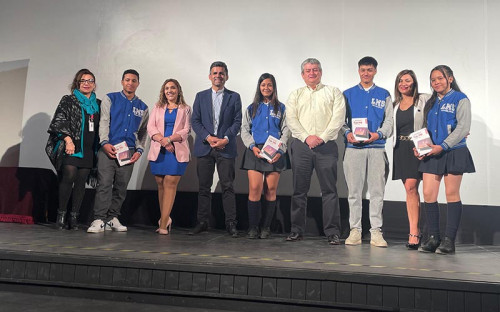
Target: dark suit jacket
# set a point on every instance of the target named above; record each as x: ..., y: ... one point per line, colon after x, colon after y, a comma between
x: 229, y: 122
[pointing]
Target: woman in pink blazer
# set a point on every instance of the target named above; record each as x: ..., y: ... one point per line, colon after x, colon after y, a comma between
x: 169, y: 126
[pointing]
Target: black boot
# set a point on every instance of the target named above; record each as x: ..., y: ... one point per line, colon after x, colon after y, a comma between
x: 73, y: 221
x: 231, y: 229
x: 200, y: 227
x: 430, y: 245
x: 61, y: 220
x: 447, y: 247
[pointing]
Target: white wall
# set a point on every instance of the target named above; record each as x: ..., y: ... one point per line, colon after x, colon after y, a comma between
x: 179, y: 39
x: 12, y: 88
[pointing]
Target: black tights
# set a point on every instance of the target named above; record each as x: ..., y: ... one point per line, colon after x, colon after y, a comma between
x: 72, y: 175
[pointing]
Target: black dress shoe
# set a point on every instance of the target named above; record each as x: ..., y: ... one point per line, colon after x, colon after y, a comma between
x: 231, y: 229
x: 265, y: 233
x: 294, y: 236
x: 410, y: 246
x: 334, y: 239
x: 200, y: 227
x: 430, y: 245
x: 447, y: 247
x: 253, y: 233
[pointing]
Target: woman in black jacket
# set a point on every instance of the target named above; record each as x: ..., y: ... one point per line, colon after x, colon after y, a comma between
x: 73, y: 142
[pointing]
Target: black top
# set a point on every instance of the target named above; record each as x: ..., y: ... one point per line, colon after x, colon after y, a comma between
x: 88, y: 147
x: 404, y: 121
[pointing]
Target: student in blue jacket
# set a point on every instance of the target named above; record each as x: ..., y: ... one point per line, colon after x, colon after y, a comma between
x: 366, y: 160
x: 264, y: 117
x: 448, y: 119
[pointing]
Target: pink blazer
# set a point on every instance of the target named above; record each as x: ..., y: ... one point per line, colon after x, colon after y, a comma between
x: 182, y: 127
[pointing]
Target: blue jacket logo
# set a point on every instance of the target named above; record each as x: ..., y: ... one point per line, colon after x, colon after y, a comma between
x: 378, y: 103
x: 277, y: 115
x: 138, y: 112
x: 448, y: 108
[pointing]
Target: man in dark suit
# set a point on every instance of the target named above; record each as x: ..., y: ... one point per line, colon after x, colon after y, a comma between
x: 216, y: 121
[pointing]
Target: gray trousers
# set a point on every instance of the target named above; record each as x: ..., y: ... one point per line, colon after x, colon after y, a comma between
x: 112, y: 182
x: 370, y: 164
x: 324, y: 160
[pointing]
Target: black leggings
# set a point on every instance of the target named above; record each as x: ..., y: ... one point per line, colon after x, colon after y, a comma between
x: 72, y: 175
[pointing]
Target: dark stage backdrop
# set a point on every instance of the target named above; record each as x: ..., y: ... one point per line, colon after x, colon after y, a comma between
x: 479, y: 225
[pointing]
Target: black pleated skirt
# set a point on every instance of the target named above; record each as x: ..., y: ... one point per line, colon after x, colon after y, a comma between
x: 457, y: 161
x: 250, y: 162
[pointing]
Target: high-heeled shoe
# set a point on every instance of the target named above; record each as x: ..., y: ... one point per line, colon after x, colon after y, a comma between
x: 162, y: 231
x: 168, y: 227
x: 410, y: 246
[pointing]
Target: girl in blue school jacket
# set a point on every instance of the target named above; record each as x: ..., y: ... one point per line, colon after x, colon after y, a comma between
x: 448, y: 119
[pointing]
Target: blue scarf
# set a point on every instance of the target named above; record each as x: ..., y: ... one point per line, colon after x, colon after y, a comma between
x: 89, y: 105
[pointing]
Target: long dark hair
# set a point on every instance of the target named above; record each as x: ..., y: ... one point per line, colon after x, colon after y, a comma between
x: 75, y: 85
x: 397, y: 95
x: 447, y: 73
x: 162, y: 101
x: 259, y: 97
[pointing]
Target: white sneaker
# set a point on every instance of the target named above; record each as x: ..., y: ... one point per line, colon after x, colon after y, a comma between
x: 115, y: 225
x: 97, y: 226
x: 377, y: 239
x: 354, y: 237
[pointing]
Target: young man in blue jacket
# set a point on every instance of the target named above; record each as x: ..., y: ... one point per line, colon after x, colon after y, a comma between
x: 367, y: 160
x: 124, y: 117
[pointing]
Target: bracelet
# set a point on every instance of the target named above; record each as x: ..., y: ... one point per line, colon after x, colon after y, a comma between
x: 168, y: 140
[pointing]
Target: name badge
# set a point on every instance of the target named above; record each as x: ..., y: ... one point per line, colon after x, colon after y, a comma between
x: 91, y: 123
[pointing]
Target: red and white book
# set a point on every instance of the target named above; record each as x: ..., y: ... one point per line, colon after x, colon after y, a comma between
x: 422, y: 141
x: 123, y: 153
x: 270, y: 148
x: 360, y: 129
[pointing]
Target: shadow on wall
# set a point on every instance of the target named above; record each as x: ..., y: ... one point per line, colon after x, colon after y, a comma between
x: 30, y: 133
x: 28, y: 192
x: 11, y: 156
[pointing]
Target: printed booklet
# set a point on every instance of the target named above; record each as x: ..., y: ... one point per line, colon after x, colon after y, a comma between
x: 422, y: 141
x: 360, y: 129
x: 270, y: 148
x: 123, y: 153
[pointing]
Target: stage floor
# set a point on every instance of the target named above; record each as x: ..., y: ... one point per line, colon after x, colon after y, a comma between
x: 471, y: 263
